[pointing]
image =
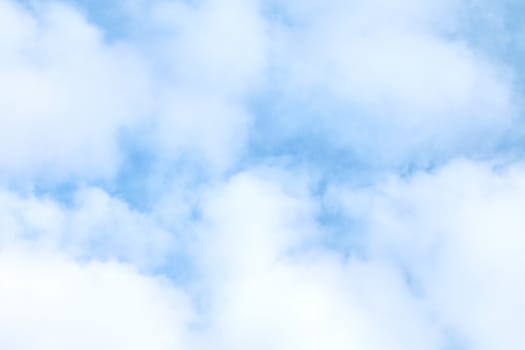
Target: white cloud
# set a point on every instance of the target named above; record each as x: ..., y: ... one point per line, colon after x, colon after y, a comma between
x: 399, y: 72
x: 211, y: 128
x: 51, y: 303
x: 212, y: 55
x: 458, y: 233
x: 439, y: 257
x: 96, y: 226
x: 443, y: 264
x: 217, y: 45
x: 269, y: 288
x: 81, y: 276
x: 261, y: 282
x: 65, y: 94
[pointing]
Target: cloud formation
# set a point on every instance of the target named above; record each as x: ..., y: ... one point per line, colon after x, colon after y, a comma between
x: 226, y: 174
x: 65, y: 94
x: 457, y: 234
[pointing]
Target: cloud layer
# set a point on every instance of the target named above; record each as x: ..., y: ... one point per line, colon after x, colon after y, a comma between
x: 227, y: 174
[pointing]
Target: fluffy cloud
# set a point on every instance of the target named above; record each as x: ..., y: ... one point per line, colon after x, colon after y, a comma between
x: 95, y: 226
x: 400, y: 73
x: 52, y: 303
x: 415, y: 81
x: 271, y: 289
x: 65, y: 94
x: 202, y: 108
x: 186, y: 229
x: 439, y: 266
x: 86, y: 276
x: 70, y: 94
x: 262, y: 280
x: 457, y: 235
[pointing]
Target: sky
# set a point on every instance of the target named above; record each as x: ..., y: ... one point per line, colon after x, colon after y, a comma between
x: 262, y: 174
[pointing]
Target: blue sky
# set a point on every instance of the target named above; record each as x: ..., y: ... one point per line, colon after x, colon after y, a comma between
x: 234, y: 174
